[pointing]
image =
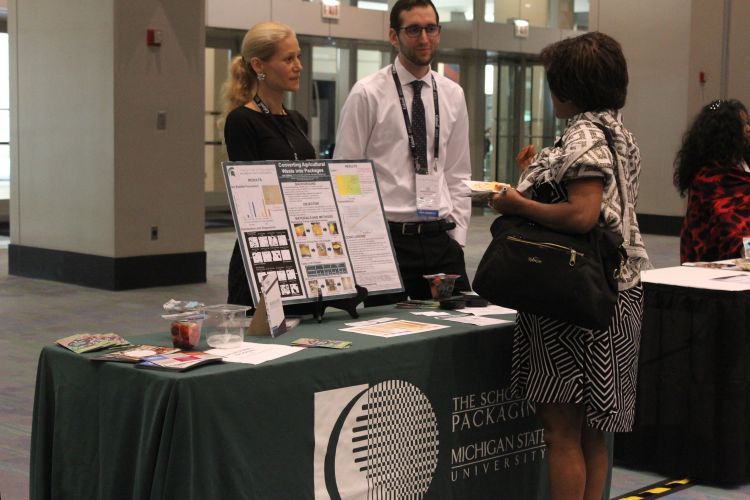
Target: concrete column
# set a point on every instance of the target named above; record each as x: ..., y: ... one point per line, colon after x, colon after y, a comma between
x: 107, y: 142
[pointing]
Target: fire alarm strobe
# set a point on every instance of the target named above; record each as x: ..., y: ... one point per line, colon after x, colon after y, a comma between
x: 153, y: 37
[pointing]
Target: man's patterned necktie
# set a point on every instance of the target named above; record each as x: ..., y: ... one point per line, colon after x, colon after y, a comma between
x: 418, y: 127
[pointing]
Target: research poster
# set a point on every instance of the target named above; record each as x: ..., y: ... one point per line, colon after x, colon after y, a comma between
x: 318, y: 225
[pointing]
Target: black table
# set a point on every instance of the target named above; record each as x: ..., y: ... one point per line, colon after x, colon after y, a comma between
x: 413, y: 414
x: 693, y: 406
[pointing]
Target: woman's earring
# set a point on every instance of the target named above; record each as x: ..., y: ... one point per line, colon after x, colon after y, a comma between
x: 261, y: 77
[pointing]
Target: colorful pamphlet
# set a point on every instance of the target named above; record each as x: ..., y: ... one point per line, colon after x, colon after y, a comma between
x: 134, y: 354
x: 178, y: 361
x: 394, y: 328
x: 269, y: 314
x: 87, y: 342
x: 331, y: 344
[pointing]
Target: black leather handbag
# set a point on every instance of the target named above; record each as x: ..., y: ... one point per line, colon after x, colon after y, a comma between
x: 568, y: 277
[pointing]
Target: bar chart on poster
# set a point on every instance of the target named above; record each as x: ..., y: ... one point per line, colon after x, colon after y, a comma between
x: 318, y: 225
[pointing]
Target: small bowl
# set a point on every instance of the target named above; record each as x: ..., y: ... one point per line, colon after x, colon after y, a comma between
x: 441, y: 285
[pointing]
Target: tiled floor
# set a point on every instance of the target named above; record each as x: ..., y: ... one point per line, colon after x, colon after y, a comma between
x: 36, y: 312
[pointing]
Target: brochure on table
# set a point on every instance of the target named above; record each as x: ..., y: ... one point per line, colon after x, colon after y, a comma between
x: 317, y: 224
x: 269, y: 315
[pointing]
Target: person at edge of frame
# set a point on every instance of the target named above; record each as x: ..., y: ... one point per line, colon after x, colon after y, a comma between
x: 582, y: 381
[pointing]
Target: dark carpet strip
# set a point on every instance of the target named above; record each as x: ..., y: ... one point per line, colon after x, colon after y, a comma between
x: 657, y: 490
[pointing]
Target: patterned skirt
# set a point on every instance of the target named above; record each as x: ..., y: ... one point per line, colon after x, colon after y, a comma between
x: 556, y: 362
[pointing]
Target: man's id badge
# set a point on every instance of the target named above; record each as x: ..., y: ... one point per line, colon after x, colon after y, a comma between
x: 428, y: 195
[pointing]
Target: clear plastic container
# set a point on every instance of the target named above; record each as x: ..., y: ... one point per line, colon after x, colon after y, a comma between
x: 441, y: 285
x: 224, y: 325
x: 186, y: 333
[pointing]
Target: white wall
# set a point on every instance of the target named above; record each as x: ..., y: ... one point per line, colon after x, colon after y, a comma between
x: 656, y: 40
x: 739, y: 55
x: 668, y: 43
x: 706, y: 39
x: 655, y: 37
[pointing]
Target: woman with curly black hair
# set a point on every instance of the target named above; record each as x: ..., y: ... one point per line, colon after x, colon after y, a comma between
x: 582, y: 381
x: 710, y: 168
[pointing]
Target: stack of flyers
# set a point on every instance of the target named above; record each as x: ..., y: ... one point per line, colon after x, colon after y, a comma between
x: 331, y: 344
x: 134, y: 354
x: 86, y: 342
x: 178, y: 361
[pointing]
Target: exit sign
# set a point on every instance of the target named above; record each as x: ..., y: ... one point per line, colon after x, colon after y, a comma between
x: 331, y: 9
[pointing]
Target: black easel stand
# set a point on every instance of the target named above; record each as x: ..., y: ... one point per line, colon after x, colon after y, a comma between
x: 349, y: 304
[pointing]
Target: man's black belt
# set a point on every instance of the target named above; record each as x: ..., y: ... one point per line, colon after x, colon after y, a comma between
x: 426, y: 227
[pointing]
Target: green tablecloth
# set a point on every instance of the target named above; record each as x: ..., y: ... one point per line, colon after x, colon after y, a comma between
x: 433, y: 409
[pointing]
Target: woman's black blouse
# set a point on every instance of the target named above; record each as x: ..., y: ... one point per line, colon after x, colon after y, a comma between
x: 254, y: 136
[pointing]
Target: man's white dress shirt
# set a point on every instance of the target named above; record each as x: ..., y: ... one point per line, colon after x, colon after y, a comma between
x: 371, y: 126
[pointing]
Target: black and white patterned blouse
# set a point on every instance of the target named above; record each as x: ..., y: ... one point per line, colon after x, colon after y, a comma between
x: 583, y: 152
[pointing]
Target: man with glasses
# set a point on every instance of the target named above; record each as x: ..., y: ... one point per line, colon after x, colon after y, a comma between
x: 413, y: 124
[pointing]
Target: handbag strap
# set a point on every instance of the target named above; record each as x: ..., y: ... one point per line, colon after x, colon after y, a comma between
x: 621, y: 188
x: 620, y: 182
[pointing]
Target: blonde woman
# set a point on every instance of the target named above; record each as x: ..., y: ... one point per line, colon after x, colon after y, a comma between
x: 258, y: 126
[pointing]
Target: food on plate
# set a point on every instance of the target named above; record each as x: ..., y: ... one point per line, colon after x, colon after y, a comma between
x: 485, y: 186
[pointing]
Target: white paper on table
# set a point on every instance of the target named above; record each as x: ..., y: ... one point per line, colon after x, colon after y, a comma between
x: 695, y: 277
x: 254, y: 353
x: 487, y: 311
x: 477, y: 320
x: 432, y: 313
x: 394, y: 328
x: 736, y: 278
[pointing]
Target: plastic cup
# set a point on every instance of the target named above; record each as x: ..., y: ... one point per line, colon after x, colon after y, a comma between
x: 186, y: 333
x: 441, y: 285
x: 224, y: 325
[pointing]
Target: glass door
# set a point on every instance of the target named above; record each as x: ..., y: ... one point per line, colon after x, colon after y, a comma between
x: 217, y: 69
x: 4, y: 119
x: 518, y: 111
x: 221, y: 47
x: 330, y: 86
x: 334, y: 67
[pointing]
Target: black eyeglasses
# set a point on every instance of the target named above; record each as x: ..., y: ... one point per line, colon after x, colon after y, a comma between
x: 414, y: 30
